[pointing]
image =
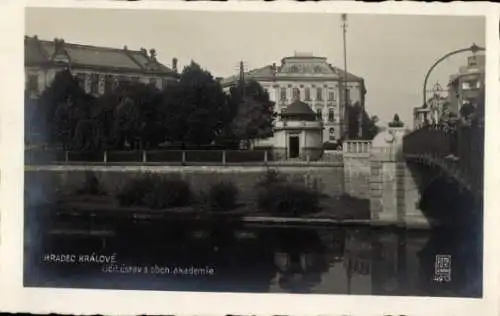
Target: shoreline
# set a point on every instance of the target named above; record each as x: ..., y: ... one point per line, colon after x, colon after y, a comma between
x: 241, y: 216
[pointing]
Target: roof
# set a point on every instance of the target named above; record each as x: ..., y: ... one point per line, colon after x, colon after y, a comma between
x: 312, y: 67
x: 43, y: 52
x: 298, y: 109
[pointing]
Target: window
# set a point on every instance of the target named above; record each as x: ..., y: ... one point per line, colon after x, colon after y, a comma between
x: 94, y: 83
x: 331, y: 115
x: 331, y: 133
x: 296, y: 94
x: 33, y: 83
x: 152, y: 81
x: 294, y: 69
x: 307, y: 94
x: 165, y: 83
x: 319, y: 114
x: 471, y: 84
x: 283, y: 94
x: 331, y: 96
x: 319, y: 94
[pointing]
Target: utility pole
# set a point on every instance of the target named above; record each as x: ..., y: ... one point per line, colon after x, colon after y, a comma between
x: 242, y: 79
x: 345, y: 105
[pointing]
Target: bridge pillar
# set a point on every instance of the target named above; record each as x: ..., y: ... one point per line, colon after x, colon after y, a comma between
x: 394, y: 194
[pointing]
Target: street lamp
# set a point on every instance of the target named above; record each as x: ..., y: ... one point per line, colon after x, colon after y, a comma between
x: 474, y: 49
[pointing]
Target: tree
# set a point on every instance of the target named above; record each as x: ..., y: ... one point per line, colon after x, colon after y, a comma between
x: 369, y: 126
x: 59, y: 108
x: 194, y: 109
x: 396, y: 122
x: 252, y: 111
x: 128, y: 117
x: 353, y: 113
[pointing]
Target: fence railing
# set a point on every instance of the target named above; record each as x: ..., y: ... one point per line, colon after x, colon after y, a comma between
x: 460, y: 148
x: 357, y: 146
x: 46, y: 156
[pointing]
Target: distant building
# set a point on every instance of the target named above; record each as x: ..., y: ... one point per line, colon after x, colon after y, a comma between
x: 98, y: 69
x: 313, y: 81
x: 436, y: 107
x: 467, y: 85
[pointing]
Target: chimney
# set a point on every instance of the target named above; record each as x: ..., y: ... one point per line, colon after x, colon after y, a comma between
x: 125, y: 47
x: 144, y: 51
x: 152, y: 52
x: 174, y: 64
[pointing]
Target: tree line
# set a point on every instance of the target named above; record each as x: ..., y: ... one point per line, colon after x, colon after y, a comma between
x: 191, y: 111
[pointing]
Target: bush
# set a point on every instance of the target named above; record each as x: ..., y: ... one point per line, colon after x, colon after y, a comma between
x: 271, y: 177
x: 288, y: 199
x: 90, y: 185
x: 156, y: 192
x: 222, y: 196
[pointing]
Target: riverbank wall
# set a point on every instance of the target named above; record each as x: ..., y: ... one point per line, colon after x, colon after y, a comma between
x: 328, y: 178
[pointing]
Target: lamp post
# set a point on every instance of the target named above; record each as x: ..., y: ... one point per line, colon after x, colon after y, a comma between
x: 474, y: 49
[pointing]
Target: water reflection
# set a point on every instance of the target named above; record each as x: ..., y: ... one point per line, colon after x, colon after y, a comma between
x: 251, y: 258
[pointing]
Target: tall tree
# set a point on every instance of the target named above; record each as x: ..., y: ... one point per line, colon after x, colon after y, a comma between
x: 194, y: 109
x: 369, y: 127
x: 353, y: 114
x: 60, y: 107
x: 252, y: 111
x: 128, y: 117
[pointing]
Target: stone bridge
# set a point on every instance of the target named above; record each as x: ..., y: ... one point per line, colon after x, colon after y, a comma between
x: 431, y: 174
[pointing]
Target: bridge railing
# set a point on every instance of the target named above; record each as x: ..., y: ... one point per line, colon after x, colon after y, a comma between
x: 460, y: 148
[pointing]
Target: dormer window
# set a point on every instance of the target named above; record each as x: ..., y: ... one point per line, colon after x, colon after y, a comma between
x: 317, y: 69
x: 294, y: 69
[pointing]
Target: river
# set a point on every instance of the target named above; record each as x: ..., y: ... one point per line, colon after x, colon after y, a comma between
x: 227, y: 256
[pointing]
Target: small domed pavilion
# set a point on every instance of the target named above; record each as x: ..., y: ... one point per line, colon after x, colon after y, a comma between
x: 298, y: 134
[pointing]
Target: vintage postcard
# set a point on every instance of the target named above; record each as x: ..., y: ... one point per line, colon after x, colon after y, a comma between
x: 174, y: 155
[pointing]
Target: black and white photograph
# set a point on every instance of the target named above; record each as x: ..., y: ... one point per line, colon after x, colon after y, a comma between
x: 295, y: 155
x: 254, y: 152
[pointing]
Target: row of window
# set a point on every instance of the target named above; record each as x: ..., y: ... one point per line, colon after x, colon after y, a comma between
x: 307, y: 94
x: 110, y: 82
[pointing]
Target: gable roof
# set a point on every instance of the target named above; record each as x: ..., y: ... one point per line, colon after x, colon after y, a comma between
x: 296, y: 67
x: 42, y: 52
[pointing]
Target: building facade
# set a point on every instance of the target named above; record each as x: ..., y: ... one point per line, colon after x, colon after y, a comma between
x: 465, y: 87
x: 98, y: 69
x: 314, y: 81
x: 467, y: 84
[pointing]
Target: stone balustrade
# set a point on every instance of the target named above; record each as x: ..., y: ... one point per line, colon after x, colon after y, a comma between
x: 357, y: 146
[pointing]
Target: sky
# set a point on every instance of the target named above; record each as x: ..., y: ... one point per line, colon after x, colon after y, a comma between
x: 391, y: 52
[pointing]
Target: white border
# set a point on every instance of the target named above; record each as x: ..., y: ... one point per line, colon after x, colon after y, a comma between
x: 14, y: 298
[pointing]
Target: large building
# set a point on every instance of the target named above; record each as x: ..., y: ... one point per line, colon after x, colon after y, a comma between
x: 97, y: 68
x: 312, y: 80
